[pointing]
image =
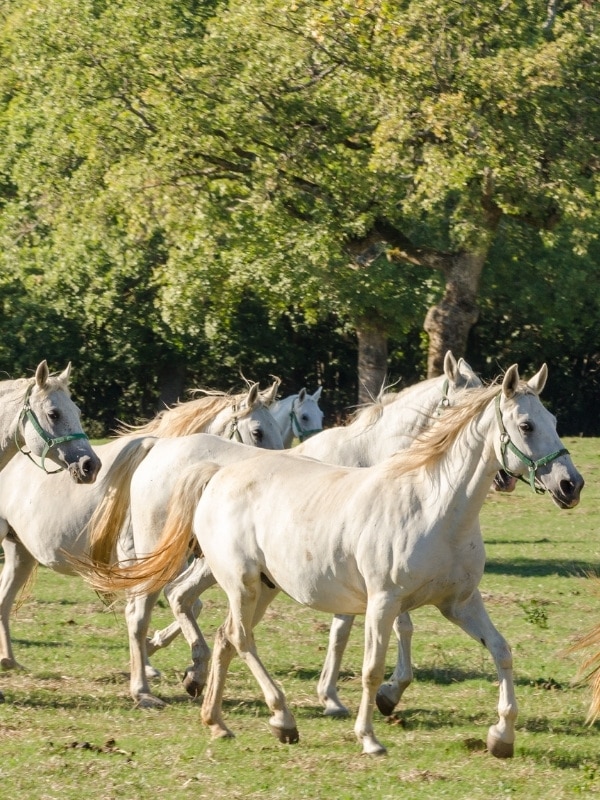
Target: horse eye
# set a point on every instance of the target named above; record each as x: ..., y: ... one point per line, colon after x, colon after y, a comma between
x: 258, y: 435
x: 304, y: 417
x: 53, y: 415
x: 526, y: 427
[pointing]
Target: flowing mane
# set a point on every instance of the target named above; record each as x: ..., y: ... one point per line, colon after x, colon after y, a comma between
x: 436, y: 440
x: 187, y: 418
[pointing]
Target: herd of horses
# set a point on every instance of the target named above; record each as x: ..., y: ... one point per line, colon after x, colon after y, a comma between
x: 376, y: 517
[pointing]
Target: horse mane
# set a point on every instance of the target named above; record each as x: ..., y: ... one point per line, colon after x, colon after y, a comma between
x: 437, y: 439
x: 368, y: 414
x: 189, y: 417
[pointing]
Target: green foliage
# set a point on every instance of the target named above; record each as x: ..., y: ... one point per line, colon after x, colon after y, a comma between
x: 184, y: 184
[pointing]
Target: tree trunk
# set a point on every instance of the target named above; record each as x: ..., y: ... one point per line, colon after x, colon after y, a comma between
x: 171, y: 383
x: 448, y: 323
x: 372, y: 360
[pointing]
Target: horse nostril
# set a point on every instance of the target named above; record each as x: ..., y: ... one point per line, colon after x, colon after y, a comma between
x: 570, y: 488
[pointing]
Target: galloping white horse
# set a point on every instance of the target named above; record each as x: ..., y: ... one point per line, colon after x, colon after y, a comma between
x: 298, y: 416
x: 44, y: 519
x: 391, y: 422
x: 38, y: 414
x: 377, y: 541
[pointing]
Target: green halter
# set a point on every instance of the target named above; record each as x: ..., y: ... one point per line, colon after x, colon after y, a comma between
x: 506, y: 443
x: 27, y: 413
x: 297, y: 429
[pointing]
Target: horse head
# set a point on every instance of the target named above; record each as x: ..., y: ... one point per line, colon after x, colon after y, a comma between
x: 528, y: 446
x: 50, y: 426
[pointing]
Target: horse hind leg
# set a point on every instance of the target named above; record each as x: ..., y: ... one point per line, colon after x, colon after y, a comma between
x: 18, y: 566
x: 390, y: 692
x: 182, y: 596
x: 247, y: 604
x: 138, y: 610
x: 339, y: 633
x: 474, y: 620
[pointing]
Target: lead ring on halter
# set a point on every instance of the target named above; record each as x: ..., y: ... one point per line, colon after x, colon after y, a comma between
x: 49, y: 442
x: 506, y: 443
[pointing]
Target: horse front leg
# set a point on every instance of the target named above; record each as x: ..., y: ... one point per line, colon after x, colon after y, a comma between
x: 182, y: 596
x: 473, y: 618
x: 379, y: 618
x: 339, y: 633
x: 18, y: 566
x: 390, y: 692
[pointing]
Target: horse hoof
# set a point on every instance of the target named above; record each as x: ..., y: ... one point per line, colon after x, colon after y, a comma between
x: 285, y: 735
x: 500, y: 749
x: 221, y: 732
x: 337, y: 712
x: 192, y: 686
x: 10, y: 664
x: 149, y: 701
x: 384, y: 704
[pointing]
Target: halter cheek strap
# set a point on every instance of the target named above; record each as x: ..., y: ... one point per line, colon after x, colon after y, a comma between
x: 234, y: 431
x: 445, y: 401
x: 28, y: 414
x: 506, y: 443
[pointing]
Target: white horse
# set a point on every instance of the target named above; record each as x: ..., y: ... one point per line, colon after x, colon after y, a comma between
x: 298, y: 416
x: 377, y: 541
x: 145, y: 496
x: 38, y: 418
x: 44, y: 520
x: 375, y: 434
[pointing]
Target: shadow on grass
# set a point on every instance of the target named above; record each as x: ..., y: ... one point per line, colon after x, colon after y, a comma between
x: 529, y: 567
x: 439, y: 676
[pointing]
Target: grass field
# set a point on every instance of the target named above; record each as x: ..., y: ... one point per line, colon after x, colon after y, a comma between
x: 68, y: 728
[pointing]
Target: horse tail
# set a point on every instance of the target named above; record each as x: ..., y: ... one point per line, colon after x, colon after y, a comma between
x: 109, y: 517
x: 589, y: 670
x: 151, y: 573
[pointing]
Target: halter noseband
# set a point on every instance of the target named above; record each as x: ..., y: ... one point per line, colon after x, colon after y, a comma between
x: 27, y: 413
x: 297, y: 430
x: 506, y: 443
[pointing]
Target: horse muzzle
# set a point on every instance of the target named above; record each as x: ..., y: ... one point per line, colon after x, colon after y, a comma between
x: 567, y: 494
x: 86, y: 469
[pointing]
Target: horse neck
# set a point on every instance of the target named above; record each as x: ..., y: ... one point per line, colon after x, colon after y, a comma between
x: 400, y: 421
x: 12, y: 394
x: 461, y: 477
x: 281, y: 412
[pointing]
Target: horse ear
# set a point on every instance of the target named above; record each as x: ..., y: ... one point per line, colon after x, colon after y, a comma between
x: 65, y: 374
x: 317, y: 394
x: 302, y: 395
x: 450, y: 366
x: 537, y: 383
x: 511, y: 381
x: 42, y: 374
x: 467, y: 374
x: 252, y: 397
x: 269, y: 395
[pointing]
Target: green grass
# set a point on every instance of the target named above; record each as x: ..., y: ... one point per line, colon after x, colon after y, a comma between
x: 69, y: 730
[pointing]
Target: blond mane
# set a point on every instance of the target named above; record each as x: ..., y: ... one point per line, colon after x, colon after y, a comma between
x: 437, y: 439
x: 187, y: 418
